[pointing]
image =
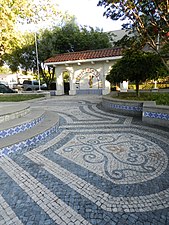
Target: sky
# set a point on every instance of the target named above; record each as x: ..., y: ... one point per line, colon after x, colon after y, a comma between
x: 88, y: 13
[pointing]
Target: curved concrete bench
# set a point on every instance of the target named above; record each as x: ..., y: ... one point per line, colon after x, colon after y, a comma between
x: 31, y: 136
x: 156, y: 115
x: 148, y: 111
x: 130, y: 108
x: 21, y: 124
x: 10, y: 111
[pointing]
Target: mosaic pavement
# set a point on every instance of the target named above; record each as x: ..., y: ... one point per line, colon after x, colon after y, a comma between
x: 99, y: 169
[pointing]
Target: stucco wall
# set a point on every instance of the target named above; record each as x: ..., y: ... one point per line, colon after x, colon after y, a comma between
x: 84, y: 76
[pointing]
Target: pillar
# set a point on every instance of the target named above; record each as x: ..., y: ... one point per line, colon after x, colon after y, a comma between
x: 72, y: 81
x: 59, y: 82
x: 106, y: 84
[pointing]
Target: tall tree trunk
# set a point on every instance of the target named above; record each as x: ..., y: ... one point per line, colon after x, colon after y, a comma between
x: 154, y: 46
x: 137, y: 89
x: 164, y: 63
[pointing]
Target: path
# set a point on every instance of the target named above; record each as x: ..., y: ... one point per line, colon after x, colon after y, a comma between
x: 100, y: 169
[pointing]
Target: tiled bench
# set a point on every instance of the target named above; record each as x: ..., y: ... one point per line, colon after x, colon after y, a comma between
x: 148, y: 111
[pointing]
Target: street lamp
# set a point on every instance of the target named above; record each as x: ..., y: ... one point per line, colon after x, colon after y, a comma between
x: 158, y: 42
x: 158, y: 48
x: 37, y: 60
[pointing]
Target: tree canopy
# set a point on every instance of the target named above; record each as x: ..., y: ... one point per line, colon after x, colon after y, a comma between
x: 136, y: 66
x: 148, y: 19
x: 13, y: 13
x: 67, y: 38
x: 9, y: 13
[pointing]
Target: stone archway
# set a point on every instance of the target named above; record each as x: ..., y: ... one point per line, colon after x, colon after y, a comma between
x: 66, y: 82
x: 82, y: 77
x: 89, y: 78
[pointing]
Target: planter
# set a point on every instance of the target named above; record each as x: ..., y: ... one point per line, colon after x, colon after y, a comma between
x: 130, y: 108
x: 148, y: 111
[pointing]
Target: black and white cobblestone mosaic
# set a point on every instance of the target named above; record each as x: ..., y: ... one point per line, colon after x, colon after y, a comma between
x: 99, y: 169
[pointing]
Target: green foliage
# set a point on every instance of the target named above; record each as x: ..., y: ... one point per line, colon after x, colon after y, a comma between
x: 4, y: 70
x: 17, y: 12
x: 136, y: 66
x: 159, y: 98
x: 71, y: 37
x: 18, y: 98
x: 22, y: 56
x: 66, y: 76
x: 147, y: 20
x: 146, y: 17
x: 10, y: 11
x: 165, y: 50
x: 68, y: 38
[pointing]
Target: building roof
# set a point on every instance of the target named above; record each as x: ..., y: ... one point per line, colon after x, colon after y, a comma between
x: 117, y: 35
x: 85, y: 55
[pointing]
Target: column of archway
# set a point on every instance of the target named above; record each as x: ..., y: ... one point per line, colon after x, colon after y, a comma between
x: 72, y: 81
x: 59, y: 81
x: 106, y: 84
x: 102, y: 74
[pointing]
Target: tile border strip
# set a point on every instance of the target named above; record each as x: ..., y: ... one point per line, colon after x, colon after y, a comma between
x: 148, y: 110
x: 20, y: 128
x: 29, y: 142
x: 156, y: 115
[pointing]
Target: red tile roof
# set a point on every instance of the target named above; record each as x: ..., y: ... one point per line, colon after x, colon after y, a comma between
x: 83, y: 55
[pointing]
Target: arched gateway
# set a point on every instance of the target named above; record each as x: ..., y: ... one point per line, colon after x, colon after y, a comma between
x: 87, y: 70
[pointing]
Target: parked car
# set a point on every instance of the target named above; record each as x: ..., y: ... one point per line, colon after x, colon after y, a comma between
x: 18, y: 87
x: 6, y: 89
x: 32, y: 85
x: 4, y: 82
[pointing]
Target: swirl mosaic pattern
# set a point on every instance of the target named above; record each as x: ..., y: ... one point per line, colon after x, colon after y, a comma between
x: 121, y: 158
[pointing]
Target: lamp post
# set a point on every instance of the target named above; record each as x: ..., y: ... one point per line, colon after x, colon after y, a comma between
x: 158, y: 48
x: 37, y: 60
x: 158, y: 42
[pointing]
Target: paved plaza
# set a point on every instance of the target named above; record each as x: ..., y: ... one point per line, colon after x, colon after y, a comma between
x: 99, y: 168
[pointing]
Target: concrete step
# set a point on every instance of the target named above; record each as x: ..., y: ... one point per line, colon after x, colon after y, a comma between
x: 12, y: 110
x: 33, y: 136
x: 12, y: 127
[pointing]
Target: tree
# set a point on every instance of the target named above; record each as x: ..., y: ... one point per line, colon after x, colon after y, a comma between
x: 22, y: 56
x: 73, y: 38
x: 136, y: 66
x: 13, y: 13
x: 150, y: 19
x: 10, y: 11
x: 68, y: 38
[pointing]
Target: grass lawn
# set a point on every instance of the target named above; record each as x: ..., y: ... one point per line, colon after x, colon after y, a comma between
x: 160, y: 98
x: 19, y: 97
